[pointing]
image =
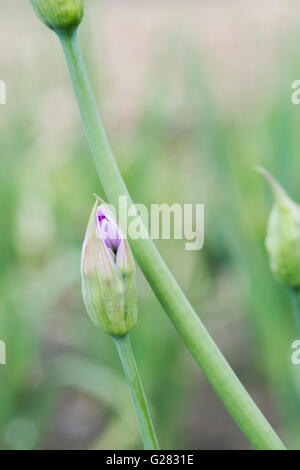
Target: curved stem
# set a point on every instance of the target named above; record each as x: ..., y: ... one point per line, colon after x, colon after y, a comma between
x: 188, y: 324
x: 137, y: 392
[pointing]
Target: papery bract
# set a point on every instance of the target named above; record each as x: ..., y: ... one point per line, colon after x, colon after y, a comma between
x: 108, y: 273
x: 59, y: 14
x: 283, y: 236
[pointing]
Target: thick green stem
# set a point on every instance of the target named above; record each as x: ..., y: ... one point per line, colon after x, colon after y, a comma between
x: 189, y: 326
x: 137, y: 392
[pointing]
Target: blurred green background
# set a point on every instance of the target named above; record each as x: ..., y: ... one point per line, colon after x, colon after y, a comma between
x: 193, y: 95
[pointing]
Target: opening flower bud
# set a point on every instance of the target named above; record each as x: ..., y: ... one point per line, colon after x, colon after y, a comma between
x: 59, y: 14
x: 108, y: 273
x: 283, y: 235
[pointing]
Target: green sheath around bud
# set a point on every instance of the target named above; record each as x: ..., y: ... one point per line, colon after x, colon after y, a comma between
x: 108, y: 273
x: 59, y: 14
x: 283, y: 236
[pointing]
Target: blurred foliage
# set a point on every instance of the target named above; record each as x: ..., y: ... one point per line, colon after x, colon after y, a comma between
x: 62, y: 385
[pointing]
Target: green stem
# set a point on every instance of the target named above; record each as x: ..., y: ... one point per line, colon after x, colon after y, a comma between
x: 137, y: 392
x: 189, y: 326
x: 295, y: 296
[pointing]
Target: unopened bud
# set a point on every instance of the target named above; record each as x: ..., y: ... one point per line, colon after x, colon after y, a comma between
x: 283, y: 235
x: 59, y: 14
x: 108, y: 273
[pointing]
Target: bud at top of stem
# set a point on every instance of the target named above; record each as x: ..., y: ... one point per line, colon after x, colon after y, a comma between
x: 108, y: 273
x: 283, y: 235
x: 59, y: 14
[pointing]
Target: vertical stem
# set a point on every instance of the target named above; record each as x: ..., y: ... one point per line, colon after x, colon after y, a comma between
x: 137, y: 392
x: 188, y: 324
x: 101, y: 151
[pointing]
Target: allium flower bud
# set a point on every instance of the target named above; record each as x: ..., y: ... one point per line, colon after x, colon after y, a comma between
x: 59, y: 14
x: 283, y: 236
x: 108, y: 273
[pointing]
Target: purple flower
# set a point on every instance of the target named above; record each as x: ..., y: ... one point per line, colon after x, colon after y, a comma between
x: 108, y: 273
x: 109, y: 231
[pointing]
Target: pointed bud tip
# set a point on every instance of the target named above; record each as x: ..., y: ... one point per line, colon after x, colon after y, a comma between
x: 260, y: 169
x: 283, y: 235
x: 278, y: 190
x: 59, y: 14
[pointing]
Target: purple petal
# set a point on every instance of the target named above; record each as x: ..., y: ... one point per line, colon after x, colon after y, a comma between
x: 108, y: 228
